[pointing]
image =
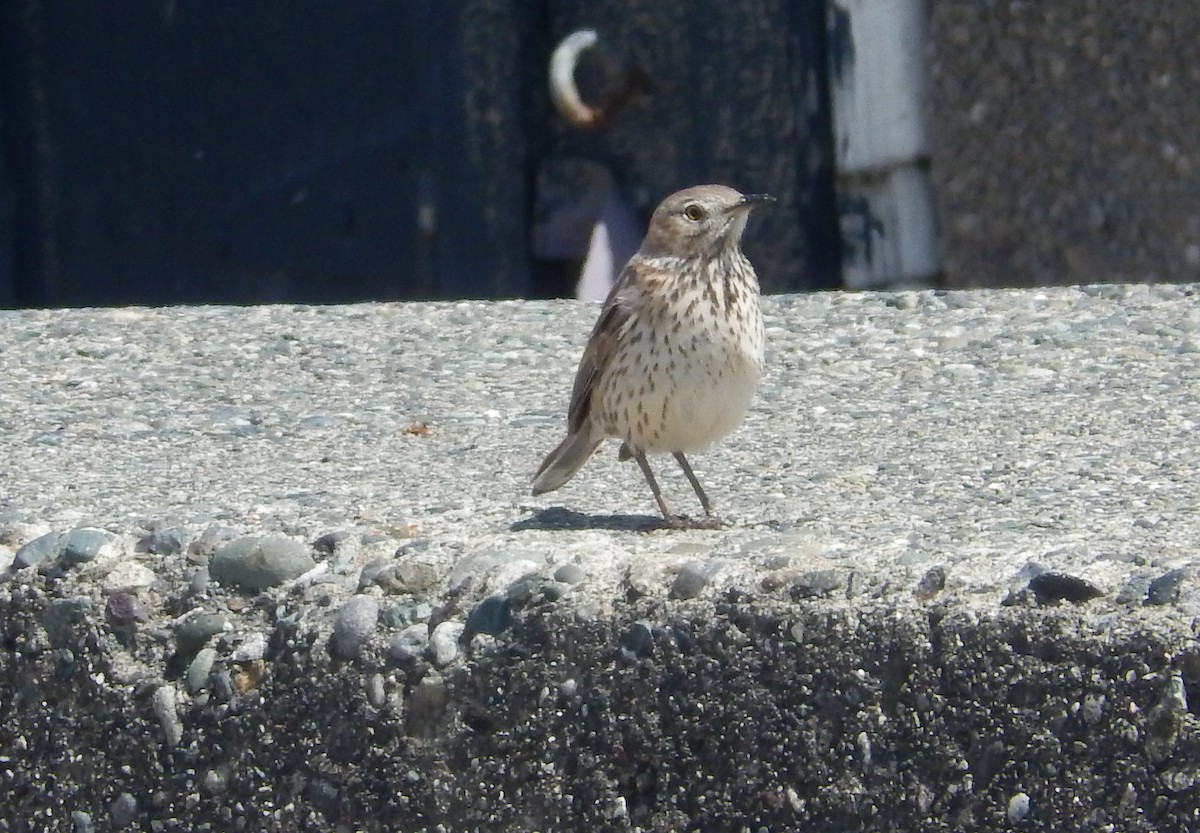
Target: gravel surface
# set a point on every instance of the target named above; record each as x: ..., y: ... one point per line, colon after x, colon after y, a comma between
x: 893, y: 432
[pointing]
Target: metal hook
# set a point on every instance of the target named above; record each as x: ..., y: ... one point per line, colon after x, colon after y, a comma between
x: 565, y: 94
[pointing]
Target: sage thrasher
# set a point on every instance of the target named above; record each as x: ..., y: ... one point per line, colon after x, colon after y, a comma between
x: 675, y: 356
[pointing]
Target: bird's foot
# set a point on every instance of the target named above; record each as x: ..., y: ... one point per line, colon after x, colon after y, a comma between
x: 684, y: 522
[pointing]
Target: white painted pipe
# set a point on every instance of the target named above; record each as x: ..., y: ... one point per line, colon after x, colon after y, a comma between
x: 880, y: 87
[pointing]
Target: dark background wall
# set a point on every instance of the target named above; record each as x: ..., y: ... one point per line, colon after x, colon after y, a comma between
x: 1065, y: 147
x: 162, y: 151
x: 295, y: 150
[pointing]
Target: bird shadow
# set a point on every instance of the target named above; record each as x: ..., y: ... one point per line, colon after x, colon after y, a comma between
x: 560, y: 517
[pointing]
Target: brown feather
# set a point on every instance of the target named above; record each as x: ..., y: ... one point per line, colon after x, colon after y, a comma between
x: 602, y: 343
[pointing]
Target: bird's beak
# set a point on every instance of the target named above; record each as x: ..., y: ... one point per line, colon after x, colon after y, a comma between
x: 754, y: 199
x: 751, y: 200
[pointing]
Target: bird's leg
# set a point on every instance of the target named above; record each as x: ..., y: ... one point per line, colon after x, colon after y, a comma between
x: 712, y: 518
x: 691, y: 476
x: 644, y: 465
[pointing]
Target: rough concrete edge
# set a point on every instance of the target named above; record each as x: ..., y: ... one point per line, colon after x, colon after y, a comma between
x: 727, y: 714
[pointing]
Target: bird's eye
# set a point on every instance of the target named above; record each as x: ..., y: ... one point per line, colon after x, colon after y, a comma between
x: 695, y: 212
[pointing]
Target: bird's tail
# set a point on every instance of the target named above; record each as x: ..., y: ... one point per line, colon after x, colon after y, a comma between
x: 561, y: 464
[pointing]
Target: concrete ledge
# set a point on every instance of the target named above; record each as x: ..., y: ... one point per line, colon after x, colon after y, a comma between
x: 955, y: 592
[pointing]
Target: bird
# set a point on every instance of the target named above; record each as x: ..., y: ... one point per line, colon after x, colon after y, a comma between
x: 676, y: 353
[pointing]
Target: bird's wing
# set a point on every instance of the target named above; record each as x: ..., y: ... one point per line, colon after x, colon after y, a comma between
x: 603, y: 342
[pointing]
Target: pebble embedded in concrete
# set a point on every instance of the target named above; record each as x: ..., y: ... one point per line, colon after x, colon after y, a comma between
x: 410, y: 643
x: 931, y: 583
x: 260, y: 562
x: 125, y: 609
x: 129, y: 576
x: 1055, y: 587
x: 355, y: 624
x: 199, y: 668
x: 38, y: 550
x: 85, y: 544
x: 376, y: 694
x: 164, y: 704
x: 570, y: 574
x: 443, y: 643
x: 1166, y: 588
x: 193, y: 632
x: 1018, y: 808
x: 162, y: 541
x: 493, y: 615
x: 692, y: 578
x: 123, y: 809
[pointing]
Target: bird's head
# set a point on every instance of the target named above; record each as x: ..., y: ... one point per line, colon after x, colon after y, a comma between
x: 700, y: 221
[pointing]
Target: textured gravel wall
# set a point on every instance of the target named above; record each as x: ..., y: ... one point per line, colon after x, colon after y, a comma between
x: 1063, y: 148
x: 276, y: 569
